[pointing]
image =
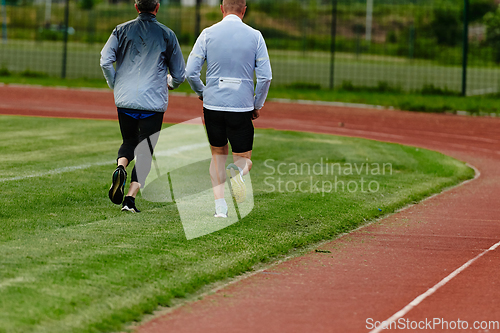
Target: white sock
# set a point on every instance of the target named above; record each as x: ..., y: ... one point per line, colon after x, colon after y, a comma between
x: 220, y: 203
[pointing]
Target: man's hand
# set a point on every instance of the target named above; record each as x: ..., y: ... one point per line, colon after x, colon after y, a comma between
x: 170, y: 82
x: 255, y: 114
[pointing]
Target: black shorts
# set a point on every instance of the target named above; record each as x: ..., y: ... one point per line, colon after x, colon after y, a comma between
x: 237, y: 127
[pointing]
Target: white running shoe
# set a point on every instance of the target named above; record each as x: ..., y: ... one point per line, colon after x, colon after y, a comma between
x: 236, y: 183
x: 220, y: 211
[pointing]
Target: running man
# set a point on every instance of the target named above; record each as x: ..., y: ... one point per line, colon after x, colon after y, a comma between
x: 145, y: 51
x: 233, y: 51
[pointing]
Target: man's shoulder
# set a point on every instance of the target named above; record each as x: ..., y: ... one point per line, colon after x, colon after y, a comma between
x: 166, y: 30
x: 163, y: 26
x: 213, y: 26
x: 255, y: 31
x: 125, y: 24
x: 255, y: 34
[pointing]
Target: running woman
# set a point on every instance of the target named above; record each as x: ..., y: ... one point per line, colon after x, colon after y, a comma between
x: 145, y: 51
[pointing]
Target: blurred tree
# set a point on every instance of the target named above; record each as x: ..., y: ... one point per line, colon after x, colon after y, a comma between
x: 492, y: 22
x: 87, y: 4
x: 479, y: 8
x: 446, y: 26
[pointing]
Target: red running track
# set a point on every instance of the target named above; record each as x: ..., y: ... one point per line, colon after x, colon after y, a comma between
x: 372, y: 273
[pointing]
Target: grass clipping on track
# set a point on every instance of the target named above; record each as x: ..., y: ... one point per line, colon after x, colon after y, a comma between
x: 70, y: 261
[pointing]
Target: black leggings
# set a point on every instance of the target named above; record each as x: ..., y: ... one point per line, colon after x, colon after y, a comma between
x: 133, y: 132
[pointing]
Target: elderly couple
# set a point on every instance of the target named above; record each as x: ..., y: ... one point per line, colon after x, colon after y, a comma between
x: 145, y: 51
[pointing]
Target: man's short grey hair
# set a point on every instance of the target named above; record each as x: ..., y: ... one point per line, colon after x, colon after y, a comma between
x: 234, y: 6
x: 146, y: 6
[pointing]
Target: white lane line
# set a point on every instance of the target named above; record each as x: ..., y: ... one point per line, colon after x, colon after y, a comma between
x: 168, y: 152
x: 57, y: 171
x: 9, y: 282
x: 431, y: 291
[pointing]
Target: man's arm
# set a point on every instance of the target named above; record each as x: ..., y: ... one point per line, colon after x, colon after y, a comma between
x: 195, y: 63
x: 176, y: 66
x: 263, y: 73
x: 108, y: 57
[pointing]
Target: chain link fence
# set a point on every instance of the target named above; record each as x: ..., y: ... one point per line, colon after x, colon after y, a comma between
x: 386, y: 45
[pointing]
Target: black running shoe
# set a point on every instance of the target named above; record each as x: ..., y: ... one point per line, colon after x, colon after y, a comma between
x: 129, y: 205
x: 116, y: 191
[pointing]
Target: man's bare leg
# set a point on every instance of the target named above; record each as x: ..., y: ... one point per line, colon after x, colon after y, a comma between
x: 217, y: 170
x: 218, y: 177
x: 243, y: 161
x: 235, y: 171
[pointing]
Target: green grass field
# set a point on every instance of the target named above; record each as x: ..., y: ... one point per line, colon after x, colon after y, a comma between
x: 70, y: 261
